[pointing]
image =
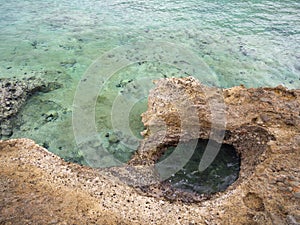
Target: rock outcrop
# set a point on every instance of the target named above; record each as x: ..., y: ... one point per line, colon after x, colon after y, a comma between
x: 262, y: 124
x: 13, y: 94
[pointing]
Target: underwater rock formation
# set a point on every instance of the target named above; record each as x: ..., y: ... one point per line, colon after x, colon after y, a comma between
x: 262, y: 124
x: 13, y: 95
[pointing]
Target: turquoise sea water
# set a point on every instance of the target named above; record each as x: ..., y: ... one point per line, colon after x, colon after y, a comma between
x: 255, y: 43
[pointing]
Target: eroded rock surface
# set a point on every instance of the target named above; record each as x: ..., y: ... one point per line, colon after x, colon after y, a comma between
x: 262, y: 124
x: 256, y: 115
x: 13, y: 95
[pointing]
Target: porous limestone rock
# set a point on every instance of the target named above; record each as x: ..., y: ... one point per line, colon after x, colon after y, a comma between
x: 13, y: 94
x: 262, y: 124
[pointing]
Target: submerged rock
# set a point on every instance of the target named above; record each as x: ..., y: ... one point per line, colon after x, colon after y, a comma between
x: 13, y: 95
x: 51, y: 115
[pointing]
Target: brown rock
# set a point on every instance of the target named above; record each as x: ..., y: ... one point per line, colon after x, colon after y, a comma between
x: 253, y: 201
x: 40, y: 188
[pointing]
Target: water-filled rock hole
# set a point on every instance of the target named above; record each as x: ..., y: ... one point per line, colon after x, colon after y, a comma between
x: 223, y: 171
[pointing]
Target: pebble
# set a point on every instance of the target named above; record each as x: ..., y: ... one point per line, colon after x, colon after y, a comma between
x: 297, y: 140
x: 113, y: 138
x: 264, y: 117
x: 51, y: 115
x: 297, y: 195
x: 291, y: 220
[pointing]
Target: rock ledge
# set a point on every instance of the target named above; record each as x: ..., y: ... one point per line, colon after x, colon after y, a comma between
x: 263, y: 124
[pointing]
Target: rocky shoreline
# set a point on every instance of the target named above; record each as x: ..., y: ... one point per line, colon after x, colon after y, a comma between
x: 262, y: 124
x: 13, y: 95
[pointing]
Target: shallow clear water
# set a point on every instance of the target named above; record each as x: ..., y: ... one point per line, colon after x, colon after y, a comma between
x: 255, y: 43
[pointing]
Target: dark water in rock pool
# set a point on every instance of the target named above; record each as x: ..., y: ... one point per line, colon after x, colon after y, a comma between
x: 255, y: 43
x: 217, y: 177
